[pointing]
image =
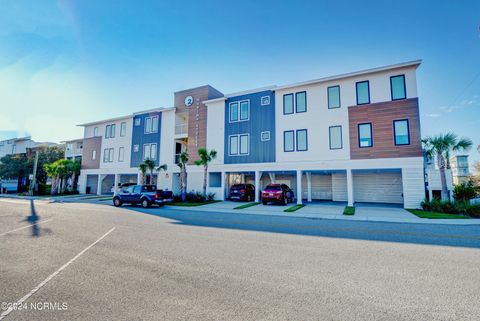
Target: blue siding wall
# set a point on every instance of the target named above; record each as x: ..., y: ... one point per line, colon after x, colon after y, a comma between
x: 139, y: 137
x: 262, y: 118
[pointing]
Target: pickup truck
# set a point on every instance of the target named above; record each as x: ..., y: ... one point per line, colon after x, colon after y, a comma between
x: 146, y: 195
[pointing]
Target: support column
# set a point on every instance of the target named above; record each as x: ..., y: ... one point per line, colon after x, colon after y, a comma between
x: 223, y: 186
x: 99, y: 184
x: 309, y: 186
x: 139, y: 178
x: 272, y: 177
x: 430, y: 194
x: 115, y: 184
x: 350, y: 187
x: 257, y: 186
x: 242, y: 178
x: 299, y: 187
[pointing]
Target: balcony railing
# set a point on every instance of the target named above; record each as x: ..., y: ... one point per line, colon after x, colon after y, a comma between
x: 181, y: 128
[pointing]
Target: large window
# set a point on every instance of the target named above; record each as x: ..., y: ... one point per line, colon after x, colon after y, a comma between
x: 363, y: 92
x: 401, y: 132
x: 108, y: 154
x: 301, y: 102
x: 302, y: 140
x: 365, y: 135
x: 244, y: 110
x: 239, y: 111
x: 151, y: 124
x: 239, y: 145
x: 154, y: 124
x: 397, y: 86
x: 288, y: 104
x: 289, y: 141
x: 123, y: 129
x: 110, y: 131
x: 150, y: 151
x: 95, y: 131
x: 333, y: 97
x: 121, y: 154
x: 335, y: 137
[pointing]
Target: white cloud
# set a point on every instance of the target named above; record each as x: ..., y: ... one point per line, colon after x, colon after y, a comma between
x: 433, y: 115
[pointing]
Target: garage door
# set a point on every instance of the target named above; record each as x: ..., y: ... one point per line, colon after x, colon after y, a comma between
x: 321, y: 187
x: 378, y: 188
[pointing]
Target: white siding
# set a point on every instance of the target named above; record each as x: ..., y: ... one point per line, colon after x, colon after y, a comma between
x: 216, y: 129
x: 339, y: 187
x: 321, y: 187
x: 413, y: 187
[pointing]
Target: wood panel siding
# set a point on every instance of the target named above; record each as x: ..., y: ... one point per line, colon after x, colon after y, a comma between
x: 382, y: 115
x: 197, y: 116
x: 89, y: 145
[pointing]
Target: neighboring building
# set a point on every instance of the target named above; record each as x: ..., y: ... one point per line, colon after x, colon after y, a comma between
x: 350, y: 138
x: 73, y: 149
x: 460, y: 170
x: 16, y: 146
x: 433, y: 183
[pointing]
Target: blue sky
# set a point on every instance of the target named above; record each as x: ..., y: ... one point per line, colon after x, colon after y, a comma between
x: 67, y: 62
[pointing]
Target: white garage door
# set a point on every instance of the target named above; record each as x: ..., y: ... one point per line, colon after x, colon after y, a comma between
x: 378, y: 188
x: 321, y: 187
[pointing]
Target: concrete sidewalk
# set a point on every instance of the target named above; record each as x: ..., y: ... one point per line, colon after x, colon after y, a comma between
x: 319, y: 210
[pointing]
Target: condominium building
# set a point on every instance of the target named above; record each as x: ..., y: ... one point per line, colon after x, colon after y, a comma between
x: 351, y: 138
x: 73, y: 149
x: 460, y: 169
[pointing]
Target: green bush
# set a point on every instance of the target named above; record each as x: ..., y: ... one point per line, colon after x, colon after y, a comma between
x: 464, y: 191
x: 210, y: 196
x: 460, y: 207
x: 194, y: 197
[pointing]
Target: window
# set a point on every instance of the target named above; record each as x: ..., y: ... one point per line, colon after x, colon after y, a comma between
x: 138, y: 121
x: 401, y: 132
x: 239, y: 145
x: 112, y: 131
x: 155, y: 124
x: 150, y: 151
x: 288, y: 141
x: 288, y: 104
x: 136, y: 148
x: 2, y: 143
x: 153, y: 151
x: 14, y: 148
x: 365, y: 135
x: 107, y: 131
x: 363, y: 92
x: 397, y: 86
x: 95, y: 131
x: 94, y: 155
x: 301, y: 102
x: 302, y: 140
x: 123, y: 129
x: 335, y: 137
x: 233, y: 148
x: 108, y: 155
x: 333, y: 97
x: 148, y: 125
x: 244, y: 110
x: 265, y: 136
x: 233, y: 112
x: 244, y: 148
x: 265, y: 100
x: 121, y: 154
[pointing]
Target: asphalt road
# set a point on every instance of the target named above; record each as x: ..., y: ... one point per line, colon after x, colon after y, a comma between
x: 97, y: 262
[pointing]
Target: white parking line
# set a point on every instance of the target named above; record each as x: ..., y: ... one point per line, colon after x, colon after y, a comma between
x: 38, y: 287
x: 21, y: 228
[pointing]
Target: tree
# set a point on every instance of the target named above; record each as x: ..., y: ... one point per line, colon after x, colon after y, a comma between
x: 441, y: 146
x: 150, y: 167
x: 182, y: 163
x: 205, y: 158
x: 16, y: 166
x: 143, y: 170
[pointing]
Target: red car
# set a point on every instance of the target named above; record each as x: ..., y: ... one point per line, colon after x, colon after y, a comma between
x: 277, y: 193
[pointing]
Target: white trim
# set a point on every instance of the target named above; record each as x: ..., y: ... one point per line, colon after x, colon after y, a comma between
x: 239, y: 110
x: 238, y: 144
x: 261, y: 101
x: 265, y: 132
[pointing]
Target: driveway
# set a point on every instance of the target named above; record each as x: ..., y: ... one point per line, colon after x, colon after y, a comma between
x: 382, y: 212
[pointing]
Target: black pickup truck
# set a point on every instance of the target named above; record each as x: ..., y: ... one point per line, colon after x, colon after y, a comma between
x: 146, y: 195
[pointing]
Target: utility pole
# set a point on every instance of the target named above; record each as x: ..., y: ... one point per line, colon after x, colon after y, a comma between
x: 34, y: 178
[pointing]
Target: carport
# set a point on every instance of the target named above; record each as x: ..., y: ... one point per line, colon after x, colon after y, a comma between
x: 233, y: 178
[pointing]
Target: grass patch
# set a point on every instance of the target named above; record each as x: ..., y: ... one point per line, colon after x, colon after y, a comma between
x: 191, y: 204
x: 245, y: 206
x: 105, y: 199
x: 349, y: 210
x: 436, y: 215
x: 294, y: 208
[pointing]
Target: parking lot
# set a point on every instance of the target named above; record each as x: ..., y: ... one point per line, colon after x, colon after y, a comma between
x: 98, y: 262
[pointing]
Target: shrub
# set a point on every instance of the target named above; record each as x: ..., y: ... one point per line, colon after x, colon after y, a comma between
x: 210, y: 196
x: 464, y: 191
x: 461, y: 207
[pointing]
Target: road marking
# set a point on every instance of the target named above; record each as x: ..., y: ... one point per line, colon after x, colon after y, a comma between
x: 21, y: 228
x: 38, y: 287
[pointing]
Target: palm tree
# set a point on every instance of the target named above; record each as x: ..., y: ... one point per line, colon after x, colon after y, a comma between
x: 150, y: 164
x: 52, y: 171
x: 182, y: 163
x: 74, y: 169
x: 205, y: 158
x: 441, y: 146
x: 143, y: 170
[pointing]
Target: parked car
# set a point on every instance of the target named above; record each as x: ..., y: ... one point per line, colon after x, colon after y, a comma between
x: 277, y: 193
x: 242, y: 192
x: 146, y: 195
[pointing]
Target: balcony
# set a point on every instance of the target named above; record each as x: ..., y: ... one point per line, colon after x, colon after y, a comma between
x: 181, y: 125
x: 181, y: 129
